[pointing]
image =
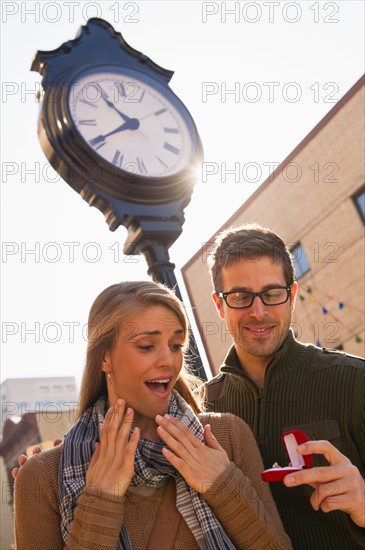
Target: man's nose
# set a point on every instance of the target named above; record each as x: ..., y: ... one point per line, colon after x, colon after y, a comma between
x: 258, y: 308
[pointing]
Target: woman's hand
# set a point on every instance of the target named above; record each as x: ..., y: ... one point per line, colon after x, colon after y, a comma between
x: 112, y: 465
x: 200, y: 465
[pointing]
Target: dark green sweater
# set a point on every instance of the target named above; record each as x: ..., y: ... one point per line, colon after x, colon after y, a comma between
x: 321, y: 392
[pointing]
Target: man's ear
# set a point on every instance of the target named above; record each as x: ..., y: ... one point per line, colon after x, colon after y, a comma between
x: 218, y: 305
x: 293, y: 295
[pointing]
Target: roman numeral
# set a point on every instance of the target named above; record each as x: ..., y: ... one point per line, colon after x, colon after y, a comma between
x: 171, y: 148
x: 171, y: 130
x: 96, y: 140
x: 162, y: 162
x: 91, y: 122
x: 117, y: 159
x: 141, y: 166
x: 89, y: 103
x: 121, y: 89
x: 99, y: 146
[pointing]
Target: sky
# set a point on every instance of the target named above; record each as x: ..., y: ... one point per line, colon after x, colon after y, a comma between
x: 255, y: 76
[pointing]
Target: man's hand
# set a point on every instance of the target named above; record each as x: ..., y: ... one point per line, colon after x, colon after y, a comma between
x: 23, y: 458
x: 338, y: 486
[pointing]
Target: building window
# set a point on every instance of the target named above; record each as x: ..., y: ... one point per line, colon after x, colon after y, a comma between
x: 359, y: 200
x: 300, y: 261
x: 44, y: 390
x: 58, y: 388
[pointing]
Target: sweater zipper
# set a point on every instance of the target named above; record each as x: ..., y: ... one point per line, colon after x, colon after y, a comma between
x: 258, y: 413
x: 258, y: 392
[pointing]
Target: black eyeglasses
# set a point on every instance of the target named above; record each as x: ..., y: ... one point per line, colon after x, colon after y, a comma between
x: 240, y: 299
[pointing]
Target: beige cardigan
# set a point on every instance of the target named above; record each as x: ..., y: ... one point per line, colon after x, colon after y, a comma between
x: 239, y: 499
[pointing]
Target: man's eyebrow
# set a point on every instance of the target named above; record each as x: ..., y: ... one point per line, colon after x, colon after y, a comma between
x: 248, y: 289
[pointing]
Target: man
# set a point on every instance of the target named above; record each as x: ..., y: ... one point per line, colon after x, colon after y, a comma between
x: 276, y: 384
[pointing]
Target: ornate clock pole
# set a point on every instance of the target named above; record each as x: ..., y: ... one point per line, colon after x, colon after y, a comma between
x: 117, y: 134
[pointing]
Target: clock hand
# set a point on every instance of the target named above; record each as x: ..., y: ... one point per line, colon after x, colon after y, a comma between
x: 146, y: 116
x: 110, y: 104
x: 131, y: 124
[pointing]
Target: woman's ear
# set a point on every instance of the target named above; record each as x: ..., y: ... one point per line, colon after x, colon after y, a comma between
x: 106, y: 367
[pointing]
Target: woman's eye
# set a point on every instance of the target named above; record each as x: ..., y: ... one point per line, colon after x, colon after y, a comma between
x: 176, y: 347
x: 145, y: 348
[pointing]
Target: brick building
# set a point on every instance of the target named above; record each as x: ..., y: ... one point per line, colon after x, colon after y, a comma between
x: 315, y: 200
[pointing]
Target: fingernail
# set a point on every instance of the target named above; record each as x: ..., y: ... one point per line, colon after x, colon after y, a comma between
x: 120, y: 401
x: 289, y: 480
x: 302, y: 447
x: 159, y: 417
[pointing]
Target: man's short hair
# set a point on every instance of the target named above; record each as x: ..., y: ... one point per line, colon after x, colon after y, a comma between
x: 248, y: 242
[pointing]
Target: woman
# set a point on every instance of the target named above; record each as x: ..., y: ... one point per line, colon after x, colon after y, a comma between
x: 139, y: 426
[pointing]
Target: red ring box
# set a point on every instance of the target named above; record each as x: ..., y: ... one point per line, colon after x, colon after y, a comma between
x: 290, y: 440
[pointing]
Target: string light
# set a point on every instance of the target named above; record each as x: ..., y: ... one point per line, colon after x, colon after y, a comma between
x: 325, y: 310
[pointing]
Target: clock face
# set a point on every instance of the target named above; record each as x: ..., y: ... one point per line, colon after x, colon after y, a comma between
x: 132, y: 121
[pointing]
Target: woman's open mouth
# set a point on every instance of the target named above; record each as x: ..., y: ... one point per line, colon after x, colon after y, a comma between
x: 159, y: 386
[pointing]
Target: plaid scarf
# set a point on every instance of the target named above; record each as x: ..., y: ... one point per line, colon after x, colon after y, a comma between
x: 151, y: 468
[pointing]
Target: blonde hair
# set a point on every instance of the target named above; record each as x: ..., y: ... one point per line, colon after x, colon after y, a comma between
x: 108, y: 313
